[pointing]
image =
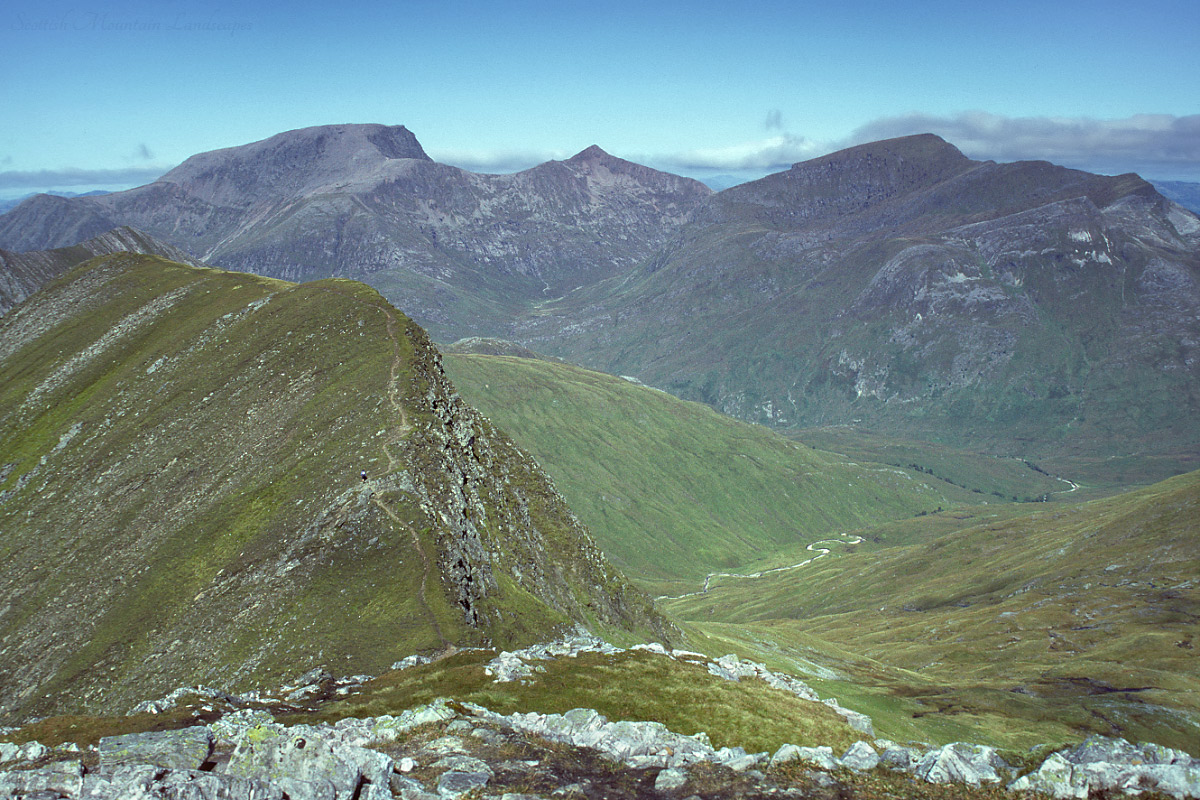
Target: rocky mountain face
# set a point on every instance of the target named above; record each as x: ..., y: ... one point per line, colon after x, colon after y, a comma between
x: 905, y: 287
x: 460, y: 252
x: 22, y: 274
x: 216, y: 477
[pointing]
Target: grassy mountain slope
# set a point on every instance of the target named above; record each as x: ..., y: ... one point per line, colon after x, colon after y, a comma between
x: 986, y: 475
x: 180, y: 498
x: 1080, y: 617
x: 673, y: 490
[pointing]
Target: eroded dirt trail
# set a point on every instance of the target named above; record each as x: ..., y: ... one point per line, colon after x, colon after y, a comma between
x: 393, y: 464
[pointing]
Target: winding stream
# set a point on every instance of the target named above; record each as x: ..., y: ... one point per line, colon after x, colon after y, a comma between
x: 814, y: 547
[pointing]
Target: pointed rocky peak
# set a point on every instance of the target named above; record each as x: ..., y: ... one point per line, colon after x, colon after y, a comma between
x: 594, y: 161
x: 593, y: 153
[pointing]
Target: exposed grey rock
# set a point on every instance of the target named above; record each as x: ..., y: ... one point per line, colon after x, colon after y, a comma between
x: 455, y: 783
x: 737, y: 759
x: 308, y: 755
x: 463, y: 764
x: 1104, y: 764
x: 637, y: 744
x: 1054, y: 777
x: 1109, y: 750
x: 402, y: 783
x: 231, y: 726
x: 514, y: 665
x: 670, y: 779
x: 171, y: 700
x: 193, y: 785
x: 899, y: 757
x: 411, y: 661
x: 187, y: 748
x: 817, y: 756
x: 315, y: 675
x: 860, y: 757
x: 32, y: 751
x: 972, y: 764
x: 63, y: 777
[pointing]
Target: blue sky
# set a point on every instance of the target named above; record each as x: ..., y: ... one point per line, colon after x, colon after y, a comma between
x: 114, y: 93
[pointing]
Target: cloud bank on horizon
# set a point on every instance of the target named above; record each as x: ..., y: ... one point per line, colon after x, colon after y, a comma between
x: 1158, y: 146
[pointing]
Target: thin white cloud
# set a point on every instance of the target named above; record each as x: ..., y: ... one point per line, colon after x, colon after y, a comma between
x: 54, y: 178
x: 773, y: 153
x: 1159, y: 145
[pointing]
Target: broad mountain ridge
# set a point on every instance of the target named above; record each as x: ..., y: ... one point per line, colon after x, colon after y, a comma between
x: 181, y: 500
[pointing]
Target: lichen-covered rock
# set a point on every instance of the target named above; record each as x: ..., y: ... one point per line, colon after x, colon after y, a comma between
x: 456, y: 783
x: 187, y: 748
x: 1054, y: 777
x: 898, y: 757
x: 63, y: 777
x: 670, y: 779
x: 302, y: 755
x: 972, y: 764
x: 860, y: 757
x: 821, y: 757
x: 1103, y: 764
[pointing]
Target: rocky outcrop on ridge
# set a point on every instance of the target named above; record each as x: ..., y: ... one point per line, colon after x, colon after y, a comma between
x: 447, y: 750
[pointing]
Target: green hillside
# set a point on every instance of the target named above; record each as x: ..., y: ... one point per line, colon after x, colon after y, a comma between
x: 1025, y: 627
x: 673, y: 490
x: 181, y: 501
x: 990, y: 476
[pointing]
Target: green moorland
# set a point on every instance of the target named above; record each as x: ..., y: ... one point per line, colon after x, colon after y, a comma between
x: 673, y: 490
x: 180, y: 499
x: 993, y: 624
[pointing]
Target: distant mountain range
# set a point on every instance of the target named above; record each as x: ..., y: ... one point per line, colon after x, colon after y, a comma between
x: 10, y: 204
x: 460, y: 251
x: 21, y: 274
x: 1186, y: 193
x: 1023, y: 308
